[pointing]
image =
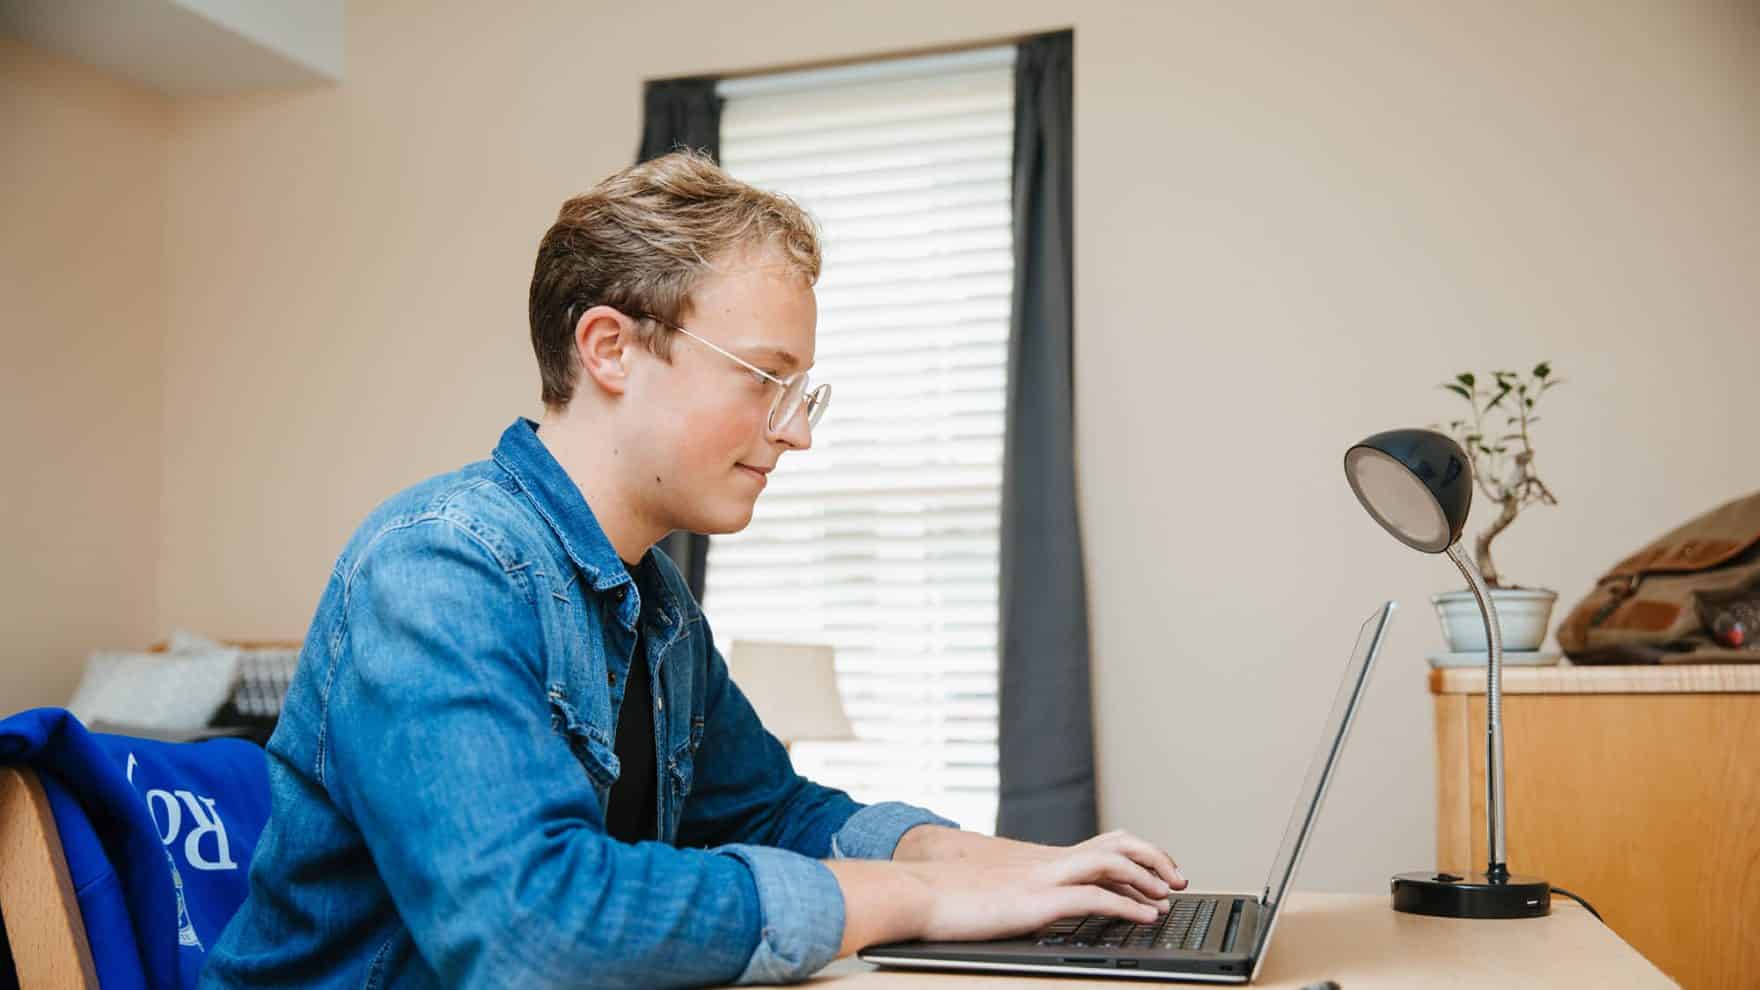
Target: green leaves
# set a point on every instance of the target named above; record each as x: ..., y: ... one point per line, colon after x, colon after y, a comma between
x: 1517, y: 395
x: 1503, y: 464
x: 1526, y: 390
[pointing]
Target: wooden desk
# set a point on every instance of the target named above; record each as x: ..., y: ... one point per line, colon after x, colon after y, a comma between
x: 1359, y: 941
x: 1636, y: 787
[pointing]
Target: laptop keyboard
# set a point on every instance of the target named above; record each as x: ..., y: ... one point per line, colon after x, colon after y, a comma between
x: 1184, y: 927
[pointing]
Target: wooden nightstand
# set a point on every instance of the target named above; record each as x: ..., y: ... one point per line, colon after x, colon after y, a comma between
x: 1636, y: 787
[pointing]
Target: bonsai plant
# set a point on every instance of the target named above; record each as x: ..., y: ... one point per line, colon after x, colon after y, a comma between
x: 1496, y: 434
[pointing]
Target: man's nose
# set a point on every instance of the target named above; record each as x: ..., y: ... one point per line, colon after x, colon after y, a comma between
x: 796, y: 433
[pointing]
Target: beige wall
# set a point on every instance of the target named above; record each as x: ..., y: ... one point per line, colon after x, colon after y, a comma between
x: 1290, y: 225
x: 1299, y: 226
x: 82, y: 327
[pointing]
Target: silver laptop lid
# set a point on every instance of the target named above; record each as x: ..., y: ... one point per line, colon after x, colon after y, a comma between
x: 1307, y: 806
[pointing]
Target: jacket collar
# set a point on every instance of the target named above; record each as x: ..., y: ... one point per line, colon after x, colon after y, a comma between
x: 558, y: 499
x: 560, y: 502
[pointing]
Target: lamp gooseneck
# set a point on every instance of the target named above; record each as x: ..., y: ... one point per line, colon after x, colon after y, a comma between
x: 1498, y: 869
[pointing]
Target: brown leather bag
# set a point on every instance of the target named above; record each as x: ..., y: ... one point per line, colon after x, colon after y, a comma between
x: 1647, y: 609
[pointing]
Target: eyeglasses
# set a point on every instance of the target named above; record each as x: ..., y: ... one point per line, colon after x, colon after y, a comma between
x: 793, y: 391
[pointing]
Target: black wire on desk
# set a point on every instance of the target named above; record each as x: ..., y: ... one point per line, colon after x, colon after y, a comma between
x: 1586, y: 905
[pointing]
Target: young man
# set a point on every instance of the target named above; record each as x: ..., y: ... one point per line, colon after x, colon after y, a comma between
x: 512, y: 755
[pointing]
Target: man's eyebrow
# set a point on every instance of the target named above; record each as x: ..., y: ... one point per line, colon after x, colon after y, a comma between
x: 774, y: 356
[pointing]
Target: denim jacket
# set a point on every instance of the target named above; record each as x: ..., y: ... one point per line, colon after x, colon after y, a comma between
x: 440, y: 771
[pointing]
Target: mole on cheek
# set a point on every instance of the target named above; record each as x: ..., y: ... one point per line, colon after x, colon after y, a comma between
x: 656, y: 479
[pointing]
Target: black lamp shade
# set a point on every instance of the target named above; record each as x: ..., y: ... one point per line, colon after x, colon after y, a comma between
x: 1418, y: 484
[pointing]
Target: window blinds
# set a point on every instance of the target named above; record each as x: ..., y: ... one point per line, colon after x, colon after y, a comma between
x: 882, y: 539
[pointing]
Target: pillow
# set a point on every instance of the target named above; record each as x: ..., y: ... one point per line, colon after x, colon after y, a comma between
x: 185, y: 642
x: 155, y: 690
x: 264, y: 672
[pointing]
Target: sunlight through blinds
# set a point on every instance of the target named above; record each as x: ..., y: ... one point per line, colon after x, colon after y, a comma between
x: 882, y: 539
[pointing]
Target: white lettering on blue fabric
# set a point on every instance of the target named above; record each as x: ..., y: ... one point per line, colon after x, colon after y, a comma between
x: 207, y: 823
x: 173, y: 815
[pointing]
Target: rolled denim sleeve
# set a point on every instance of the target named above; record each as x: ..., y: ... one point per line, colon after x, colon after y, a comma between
x: 873, y: 832
x: 800, y: 914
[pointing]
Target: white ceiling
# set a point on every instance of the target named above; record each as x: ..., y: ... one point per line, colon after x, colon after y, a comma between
x: 187, y: 47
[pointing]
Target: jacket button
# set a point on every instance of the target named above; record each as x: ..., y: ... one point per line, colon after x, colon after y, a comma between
x: 611, y: 678
x: 659, y: 704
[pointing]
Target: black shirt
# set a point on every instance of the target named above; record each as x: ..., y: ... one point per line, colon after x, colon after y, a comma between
x: 630, y: 811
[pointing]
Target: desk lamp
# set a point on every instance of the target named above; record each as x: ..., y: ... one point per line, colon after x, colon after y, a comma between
x: 1418, y: 484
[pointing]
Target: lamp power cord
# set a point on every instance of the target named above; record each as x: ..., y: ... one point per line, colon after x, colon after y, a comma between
x: 1586, y: 905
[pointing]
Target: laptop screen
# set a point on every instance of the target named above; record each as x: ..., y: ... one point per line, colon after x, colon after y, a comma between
x: 1307, y: 807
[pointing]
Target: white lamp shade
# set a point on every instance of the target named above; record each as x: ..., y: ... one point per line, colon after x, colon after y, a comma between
x: 793, y: 687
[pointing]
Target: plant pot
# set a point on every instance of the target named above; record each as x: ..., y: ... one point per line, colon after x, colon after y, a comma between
x: 1523, y: 614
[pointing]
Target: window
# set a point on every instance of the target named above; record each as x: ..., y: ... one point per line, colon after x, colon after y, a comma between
x: 882, y: 540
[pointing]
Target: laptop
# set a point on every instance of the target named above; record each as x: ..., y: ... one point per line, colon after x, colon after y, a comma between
x: 1212, y: 938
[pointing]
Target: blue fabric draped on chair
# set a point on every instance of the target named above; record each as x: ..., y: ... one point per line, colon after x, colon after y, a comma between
x: 157, y: 838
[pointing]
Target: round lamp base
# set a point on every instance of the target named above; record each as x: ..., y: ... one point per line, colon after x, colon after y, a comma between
x: 1446, y: 895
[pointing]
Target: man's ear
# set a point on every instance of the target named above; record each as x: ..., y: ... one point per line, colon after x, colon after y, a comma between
x: 602, y: 338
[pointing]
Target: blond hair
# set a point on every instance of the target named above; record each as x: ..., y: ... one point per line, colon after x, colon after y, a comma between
x: 640, y: 241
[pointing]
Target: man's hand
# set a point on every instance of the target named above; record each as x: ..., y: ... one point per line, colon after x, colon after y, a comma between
x: 936, y: 843
x: 957, y: 886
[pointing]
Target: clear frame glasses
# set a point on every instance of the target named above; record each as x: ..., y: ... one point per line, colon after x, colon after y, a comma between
x: 792, y: 392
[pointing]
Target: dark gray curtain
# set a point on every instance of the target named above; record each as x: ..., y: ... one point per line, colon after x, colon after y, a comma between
x: 680, y: 113
x: 1047, y: 721
x: 683, y: 113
